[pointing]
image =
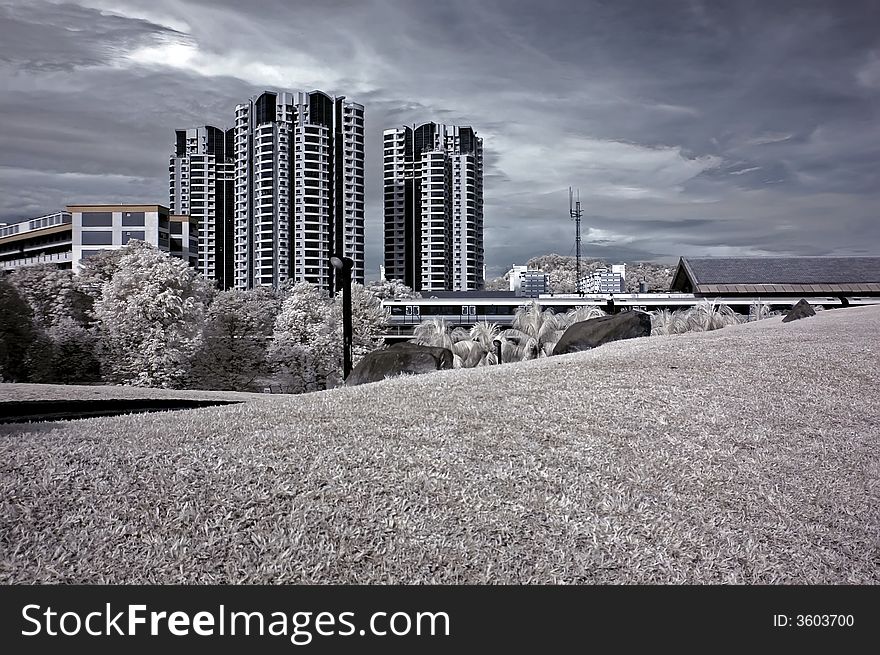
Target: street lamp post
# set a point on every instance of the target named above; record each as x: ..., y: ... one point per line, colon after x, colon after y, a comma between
x: 343, y: 266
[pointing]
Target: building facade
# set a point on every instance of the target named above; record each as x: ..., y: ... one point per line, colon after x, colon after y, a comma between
x: 68, y: 237
x: 43, y: 240
x: 298, y: 189
x: 605, y: 280
x: 96, y: 228
x: 201, y: 187
x: 433, y: 180
x: 527, y: 282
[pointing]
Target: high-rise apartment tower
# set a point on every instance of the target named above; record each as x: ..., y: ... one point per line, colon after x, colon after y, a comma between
x: 201, y: 187
x: 434, y: 207
x: 299, y: 188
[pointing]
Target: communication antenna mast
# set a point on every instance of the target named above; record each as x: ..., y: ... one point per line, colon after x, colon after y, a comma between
x: 574, y: 209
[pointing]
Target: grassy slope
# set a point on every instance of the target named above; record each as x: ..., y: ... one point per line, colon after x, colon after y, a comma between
x: 750, y: 454
x: 21, y: 392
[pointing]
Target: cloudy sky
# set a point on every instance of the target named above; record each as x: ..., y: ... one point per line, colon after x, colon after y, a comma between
x: 690, y: 127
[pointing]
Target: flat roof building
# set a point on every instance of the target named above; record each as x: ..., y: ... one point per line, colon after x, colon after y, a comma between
x: 528, y: 282
x: 201, y: 186
x: 42, y: 240
x: 433, y: 202
x: 298, y: 189
x: 68, y: 237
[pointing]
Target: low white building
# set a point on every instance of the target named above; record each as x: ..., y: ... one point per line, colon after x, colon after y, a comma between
x: 528, y: 282
x: 67, y: 238
x: 605, y: 280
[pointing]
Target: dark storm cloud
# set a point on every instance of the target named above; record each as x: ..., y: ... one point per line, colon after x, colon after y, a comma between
x: 689, y: 127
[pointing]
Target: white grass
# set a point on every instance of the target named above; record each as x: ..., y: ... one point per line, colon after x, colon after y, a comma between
x: 23, y: 392
x: 744, y: 455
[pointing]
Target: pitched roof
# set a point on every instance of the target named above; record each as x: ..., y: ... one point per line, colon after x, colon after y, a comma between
x: 778, y: 275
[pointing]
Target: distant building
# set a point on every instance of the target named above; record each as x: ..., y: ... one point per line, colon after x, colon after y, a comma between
x: 201, y: 186
x: 67, y: 238
x: 534, y: 283
x: 605, y: 280
x: 44, y: 240
x: 299, y: 188
x: 513, y: 276
x: 527, y: 282
x: 778, y: 276
x: 434, y: 207
x: 97, y: 228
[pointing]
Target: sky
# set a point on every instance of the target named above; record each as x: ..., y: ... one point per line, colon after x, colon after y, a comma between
x: 690, y: 127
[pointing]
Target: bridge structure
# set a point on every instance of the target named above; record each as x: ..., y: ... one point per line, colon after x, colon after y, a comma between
x: 467, y: 309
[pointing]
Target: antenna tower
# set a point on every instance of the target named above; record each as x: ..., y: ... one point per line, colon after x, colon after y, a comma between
x: 574, y: 209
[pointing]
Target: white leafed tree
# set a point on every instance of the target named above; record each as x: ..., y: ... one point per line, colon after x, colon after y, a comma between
x: 150, y: 317
x: 52, y: 294
x: 368, y: 320
x: 306, y: 346
x: 391, y: 289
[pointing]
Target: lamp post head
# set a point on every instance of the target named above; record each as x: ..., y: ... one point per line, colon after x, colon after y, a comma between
x: 342, y: 263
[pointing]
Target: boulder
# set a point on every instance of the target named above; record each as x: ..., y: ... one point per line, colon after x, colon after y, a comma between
x: 596, y: 331
x: 802, y: 309
x: 403, y: 357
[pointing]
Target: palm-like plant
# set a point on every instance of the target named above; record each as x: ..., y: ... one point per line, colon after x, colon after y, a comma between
x: 535, y: 332
x: 467, y: 352
x: 759, y: 310
x: 584, y: 313
x: 485, y: 334
x: 707, y: 315
x: 703, y: 317
x: 666, y: 321
x: 434, y: 332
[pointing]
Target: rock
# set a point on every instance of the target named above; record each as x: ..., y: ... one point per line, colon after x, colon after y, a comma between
x: 403, y: 357
x: 596, y: 331
x: 802, y: 309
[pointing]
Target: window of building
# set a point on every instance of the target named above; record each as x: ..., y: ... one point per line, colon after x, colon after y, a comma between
x: 134, y: 219
x: 128, y: 235
x: 102, y: 238
x: 97, y: 219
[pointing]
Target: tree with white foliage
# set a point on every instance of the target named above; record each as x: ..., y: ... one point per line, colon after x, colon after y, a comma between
x: 52, y: 294
x: 306, y: 347
x: 65, y: 351
x: 368, y: 320
x: 233, y: 351
x: 391, y: 290
x: 149, y: 317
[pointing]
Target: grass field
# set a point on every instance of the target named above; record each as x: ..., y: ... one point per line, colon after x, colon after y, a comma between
x: 746, y: 455
x: 23, y: 392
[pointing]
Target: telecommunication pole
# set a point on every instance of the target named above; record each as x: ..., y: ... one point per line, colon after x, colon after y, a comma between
x: 574, y: 209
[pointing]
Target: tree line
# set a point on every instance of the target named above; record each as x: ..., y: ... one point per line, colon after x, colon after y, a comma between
x: 137, y: 316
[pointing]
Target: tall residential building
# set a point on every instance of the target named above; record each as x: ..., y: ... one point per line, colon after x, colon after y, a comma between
x: 201, y: 187
x: 299, y: 188
x: 434, y: 207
